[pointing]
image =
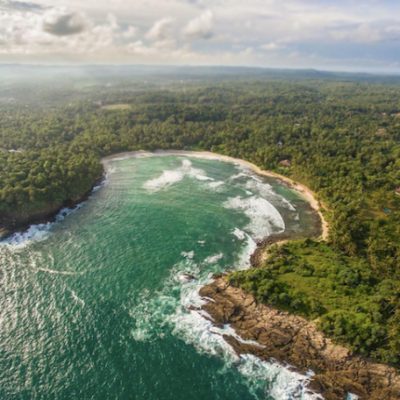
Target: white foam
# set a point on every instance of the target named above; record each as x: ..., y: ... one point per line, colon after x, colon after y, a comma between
x: 287, y: 384
x: 56, y: 272
x: 167, y: 178
x: 178, y: 306
x: 255, y: 184
x: 36, y: 232
x: 214, y: 258
x: 195, y: 327
x: 188, y: 254
x: 243, y: 261
x: 352, y: 396
x: 264, y: 217
x: 239, y: 175
x: 239, y: 233
x: 203, y: 178
x: 171, y: 177
x: 216, y: 184
x: 265, y: 190
x: 76, y: 298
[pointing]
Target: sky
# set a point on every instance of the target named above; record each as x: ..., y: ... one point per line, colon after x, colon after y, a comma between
x: 326, y: 34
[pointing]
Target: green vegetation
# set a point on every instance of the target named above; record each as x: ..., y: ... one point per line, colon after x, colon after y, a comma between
x: 349, y: 302
x: 342, y: 139
x: 113, y: 107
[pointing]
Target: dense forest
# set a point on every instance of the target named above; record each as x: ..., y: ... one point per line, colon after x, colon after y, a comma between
x: 341, y: 137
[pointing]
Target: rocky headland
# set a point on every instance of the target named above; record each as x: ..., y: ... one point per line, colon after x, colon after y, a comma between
x: 293, y: 340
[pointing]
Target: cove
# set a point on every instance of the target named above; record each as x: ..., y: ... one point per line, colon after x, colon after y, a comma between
x: 104, y: 303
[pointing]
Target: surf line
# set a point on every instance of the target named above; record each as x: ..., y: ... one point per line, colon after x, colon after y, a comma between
x: 302, y: 189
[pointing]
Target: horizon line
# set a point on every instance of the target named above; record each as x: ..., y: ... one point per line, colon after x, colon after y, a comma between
x: 346, y: 71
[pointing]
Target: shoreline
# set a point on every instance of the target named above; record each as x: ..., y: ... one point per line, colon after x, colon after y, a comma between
x: 6, y: 230
x: 337, y: 364
x: 46, y: 217
x: 296, y: 343
x: 302, y: 189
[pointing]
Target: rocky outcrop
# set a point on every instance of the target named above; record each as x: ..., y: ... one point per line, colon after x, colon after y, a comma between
x: 19, y: 221
x: 293, y: 340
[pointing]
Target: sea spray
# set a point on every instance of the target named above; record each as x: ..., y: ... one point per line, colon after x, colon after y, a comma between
x: 37, y: 232
x: 264, y: 218
x: 171, y: 177
x: 178, y: 305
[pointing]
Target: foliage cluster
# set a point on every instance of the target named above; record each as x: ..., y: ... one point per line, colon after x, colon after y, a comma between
x: 349, y: 302
x: 342, y: 139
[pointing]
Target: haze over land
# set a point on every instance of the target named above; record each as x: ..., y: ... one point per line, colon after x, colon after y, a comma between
x: 339, y: 35
x: 146, y: 146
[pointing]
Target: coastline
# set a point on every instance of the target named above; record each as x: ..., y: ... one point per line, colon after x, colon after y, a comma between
x: 302, y: 189
x: 7, y: 229
x: 45, y: 216
x: 291, y: 339
x: 295, y: 342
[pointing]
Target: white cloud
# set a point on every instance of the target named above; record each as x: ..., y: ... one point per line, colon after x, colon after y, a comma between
x: 255, y: 32
x: 367, y: 33
x: 161, y: 30
x: 130, y: 32
x: 201, y: 26
x: 271, y: 46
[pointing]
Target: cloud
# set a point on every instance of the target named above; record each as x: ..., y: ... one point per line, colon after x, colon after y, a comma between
x: 161, y: 30
x: 200, y: 27
x: 271, y: 46
x: 64, y: 24
x: 130, y: 32
x: 272, y: 33
x: 367, y: 33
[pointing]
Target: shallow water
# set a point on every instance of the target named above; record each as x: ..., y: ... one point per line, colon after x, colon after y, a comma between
x: 98, y: 305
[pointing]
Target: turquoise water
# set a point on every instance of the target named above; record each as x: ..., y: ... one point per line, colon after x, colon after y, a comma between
x: 102, y: 304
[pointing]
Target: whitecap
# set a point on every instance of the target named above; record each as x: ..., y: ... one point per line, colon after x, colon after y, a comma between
x: 56, y: 272
x: 214, y: 258
x: 203, y: 178
x: 36, y: 232
x: 171, y: 177
x: 178, y: 306
x: 243, y: 259
x: 76, y: 298
x: 265, y: 219
x: 167, y: 178
x: 188, y: 254
x: 239, y: 233
x: 215, y: 185
x: 266, y: 190
x: 286, y: 384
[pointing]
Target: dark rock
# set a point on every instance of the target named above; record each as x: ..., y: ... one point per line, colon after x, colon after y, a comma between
x: 290, y: 339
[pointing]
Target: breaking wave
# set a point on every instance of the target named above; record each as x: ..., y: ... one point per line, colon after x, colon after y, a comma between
x: 173, y: 176
x: 265, y: 219
x: 36, y: 232
x: 177, y: 306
